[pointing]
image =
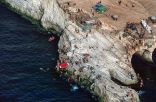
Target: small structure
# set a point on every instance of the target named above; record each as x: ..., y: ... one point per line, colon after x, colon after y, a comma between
x: 131, y: 26
x: 134, y: 29
x: 100, y: 8
x: 63, y: 65
x: 153, y: 19
x: 69, y: 3
x: 115, y: 17
x: 66, y: 5
x: 90, y: 22
x: 72, y: 10
x: 146, y: 26
x: 85, y: 21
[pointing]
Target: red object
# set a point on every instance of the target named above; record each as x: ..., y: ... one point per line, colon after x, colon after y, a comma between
x: 63, y: 65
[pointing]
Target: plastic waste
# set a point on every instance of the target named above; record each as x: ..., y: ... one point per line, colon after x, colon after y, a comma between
x: 141, y: 92
x: 74, y: 88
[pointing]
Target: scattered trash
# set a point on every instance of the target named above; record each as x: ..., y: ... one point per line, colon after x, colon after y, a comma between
x: 115, y: 17
x: 90, y: 22
x: 72, y: 10
x: 44, y: 69
x: 69, y: 54
x: 131, y: 26
x: 141, y: 83
x: 74, y: 88
x: 49, y: 33
x: 141, y: 92
x: 146, y: 26
x: 153, y: 19
x: 52, y: 38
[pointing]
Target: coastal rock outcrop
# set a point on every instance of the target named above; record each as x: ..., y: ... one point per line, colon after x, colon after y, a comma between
x: 102, y: 55
x: 47, y: 12
x: 105, y: 65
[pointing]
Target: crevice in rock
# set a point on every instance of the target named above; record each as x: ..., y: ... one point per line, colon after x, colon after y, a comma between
x: 154, y: 56
x: 145, y: 70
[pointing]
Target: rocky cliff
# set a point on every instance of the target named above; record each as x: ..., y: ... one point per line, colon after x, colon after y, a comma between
x: 103, y: 56
x: 46, y: 11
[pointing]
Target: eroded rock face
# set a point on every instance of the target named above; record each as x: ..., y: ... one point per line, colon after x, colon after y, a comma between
x: 46, y: 11
x: 105, y: 62
x: 97, y: 54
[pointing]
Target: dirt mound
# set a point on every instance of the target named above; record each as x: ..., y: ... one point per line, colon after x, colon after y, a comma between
x: 127, y: 10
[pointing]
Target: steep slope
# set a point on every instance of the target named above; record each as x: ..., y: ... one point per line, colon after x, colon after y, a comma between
x: 100, y: 55
x: 46, y: 11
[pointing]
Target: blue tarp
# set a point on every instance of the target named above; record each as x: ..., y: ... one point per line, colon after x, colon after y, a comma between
x: 100, y: 8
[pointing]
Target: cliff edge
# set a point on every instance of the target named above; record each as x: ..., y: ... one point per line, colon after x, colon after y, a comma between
x: 47, y: 12
x: 101, y: 52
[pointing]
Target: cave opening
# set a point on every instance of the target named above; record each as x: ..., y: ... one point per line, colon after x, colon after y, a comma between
x: 143, y: 67
x: 147, y: 72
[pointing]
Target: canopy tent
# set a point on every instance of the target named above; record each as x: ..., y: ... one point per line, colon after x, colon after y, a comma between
x: 100, y: 8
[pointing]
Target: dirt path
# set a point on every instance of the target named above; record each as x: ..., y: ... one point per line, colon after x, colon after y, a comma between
x: 150, y: 6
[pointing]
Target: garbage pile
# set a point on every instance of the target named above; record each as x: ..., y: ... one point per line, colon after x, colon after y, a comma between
x: 132, y: 29
x: 82, y: 18
x: 139, y: 34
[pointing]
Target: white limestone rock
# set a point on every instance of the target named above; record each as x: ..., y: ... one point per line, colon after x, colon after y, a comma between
x: 46, y: 11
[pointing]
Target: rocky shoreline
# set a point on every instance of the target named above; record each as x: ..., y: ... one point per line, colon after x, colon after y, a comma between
x: 98, y: 58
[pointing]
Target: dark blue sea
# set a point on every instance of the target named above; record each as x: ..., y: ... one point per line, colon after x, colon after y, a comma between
x: 147, y: 71
x: 26, y: 63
